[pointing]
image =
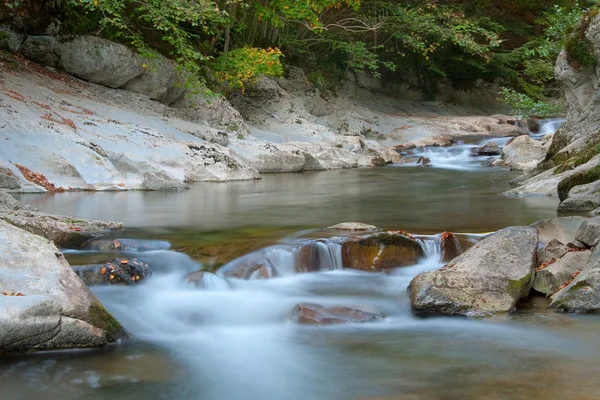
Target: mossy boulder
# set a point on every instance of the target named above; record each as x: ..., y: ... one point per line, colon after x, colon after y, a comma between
x: 489, y: 278
x: 380, y: 252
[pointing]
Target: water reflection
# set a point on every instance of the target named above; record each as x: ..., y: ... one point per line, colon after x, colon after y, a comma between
x: 420, y: 200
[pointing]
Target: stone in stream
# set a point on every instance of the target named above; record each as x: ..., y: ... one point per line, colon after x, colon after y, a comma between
x: 43, y: 304
x: 589, y: 232
x: 381, y: 251
x: 490, y: 149
x: 554, y: 249
x: 550, y: 278
x: 488, y: 278
x: 120, y: 271
x: 207, y: 280
x: 423, y: 161
x: 582, y: 294
x: 125, y: 245
x: 315, y: 314
x: 353, y: 226
x: 582, y: 198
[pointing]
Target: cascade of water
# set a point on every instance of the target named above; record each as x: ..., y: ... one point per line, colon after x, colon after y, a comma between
x: 432, y: 246
x: 549, y: 126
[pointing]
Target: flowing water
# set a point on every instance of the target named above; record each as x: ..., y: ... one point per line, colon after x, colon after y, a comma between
x: 234, y: 339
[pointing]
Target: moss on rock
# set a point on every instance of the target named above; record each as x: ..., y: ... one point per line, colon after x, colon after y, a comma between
x: 581, y: 178
x: 102, y: 319
x: 516, y: 287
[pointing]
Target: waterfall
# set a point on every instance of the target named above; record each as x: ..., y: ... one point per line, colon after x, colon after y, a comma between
x: 432, y: 246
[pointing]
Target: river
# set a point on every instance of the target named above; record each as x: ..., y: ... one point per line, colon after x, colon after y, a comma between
x: 237, y: 341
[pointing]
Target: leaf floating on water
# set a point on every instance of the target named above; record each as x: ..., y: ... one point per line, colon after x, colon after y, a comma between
x: 110, y: 278
x: 102, y: 270
x: 124, y: 262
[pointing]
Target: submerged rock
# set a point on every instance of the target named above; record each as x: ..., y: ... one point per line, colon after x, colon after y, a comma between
x: 582, y: 294
x: 120, y: 271
x: 207, y: 280
x: 65, y: 232
x: 381, y: 251
x: 125, y: 245
x: 549, y: 279
x: 487, y: 279
x: 43, y: 304
x: 490, y: 149
x: 353, y: 226
x: 314, y: 314
x: 423, y: 161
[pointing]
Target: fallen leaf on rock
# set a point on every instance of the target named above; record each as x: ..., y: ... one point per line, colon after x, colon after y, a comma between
x: 545, y: 265
x: 13, y: 294
x: 38, y: 179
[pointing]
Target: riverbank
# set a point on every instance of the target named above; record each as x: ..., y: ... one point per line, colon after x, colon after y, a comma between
x: 63, y: 133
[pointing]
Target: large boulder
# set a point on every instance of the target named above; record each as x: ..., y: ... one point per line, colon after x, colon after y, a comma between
x: 589, y: 232
x: 100, y: 61
x: 381, y: 251
x: 42, y: 49
x: 43, y: 304
x: 582, y: 294
x: 65, y: 232
x: 487, y: 279
x: 549, y: 279
x: 315, y: 314
x: 160, y: 81
x: 524, y: 153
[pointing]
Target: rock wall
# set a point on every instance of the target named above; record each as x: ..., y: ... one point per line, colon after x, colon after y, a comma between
x: 571, y: 165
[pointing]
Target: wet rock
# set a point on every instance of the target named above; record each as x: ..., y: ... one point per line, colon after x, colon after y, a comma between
x: 258, y: 270
x: 314, y: 314
x: 496, y: 162
x: 490, y: 149
x: 562, y: 229
x: 582, y: 295
x: 423, y: 161
x: 582, y: 198
x: 353, y: 226
x: 100, y: 61
x: 65, y: 232
x: 7, y: 202
x: 549, y: 279
x: 454, y: 244
x: 206, y: 280
x: 52, y: 308
x: 120, y: 271
x: 125, y: 245
x: 554, y: 249
x: 380, y: 251
x: 589, y: 232
x: 319, y: 255
x: 487, y: 279
x: 577, y: 245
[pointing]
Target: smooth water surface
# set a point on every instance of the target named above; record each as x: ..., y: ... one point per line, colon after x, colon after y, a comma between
x: 420, y: 199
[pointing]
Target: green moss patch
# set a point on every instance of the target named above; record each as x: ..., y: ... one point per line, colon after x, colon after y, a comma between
x: 516, y: 287
x: 581, y: 178
x: 102, y: 319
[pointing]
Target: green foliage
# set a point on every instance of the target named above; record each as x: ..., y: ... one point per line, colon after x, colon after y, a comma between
x: 525, y: 106
x: 238, y: 67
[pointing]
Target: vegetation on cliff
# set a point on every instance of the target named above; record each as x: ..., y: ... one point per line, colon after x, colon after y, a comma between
x: 422, y: 43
